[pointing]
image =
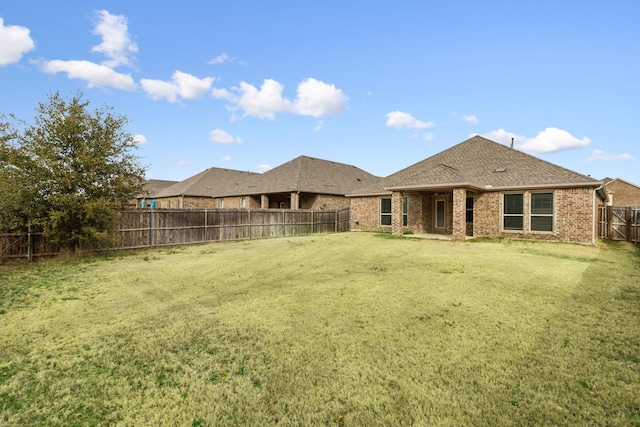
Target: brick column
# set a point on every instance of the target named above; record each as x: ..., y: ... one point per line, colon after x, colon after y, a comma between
x: 295, y: 200
x: 459, y: 213
x: 396, y: 213
x: 264, y: 201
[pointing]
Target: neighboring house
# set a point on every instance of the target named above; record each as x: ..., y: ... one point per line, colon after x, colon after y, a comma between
x: 199, y: 191
x: 302, y: 183
x: 482, y: 188
x: 151, y: 186
x: 621, y: 192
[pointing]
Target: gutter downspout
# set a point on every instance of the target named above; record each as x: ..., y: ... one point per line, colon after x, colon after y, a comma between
x: 595, y: 215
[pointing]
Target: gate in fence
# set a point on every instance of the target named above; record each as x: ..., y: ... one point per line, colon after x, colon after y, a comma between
x: 620, y: 223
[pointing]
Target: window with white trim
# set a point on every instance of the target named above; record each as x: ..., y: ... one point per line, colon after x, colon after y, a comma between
x: 385, y: 211
x: 243, y: 202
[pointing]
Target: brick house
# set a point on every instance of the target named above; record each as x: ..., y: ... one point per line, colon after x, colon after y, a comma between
x: 482, y: 188
x: 302, y: 183
x: 621, y: 192
x: 197, y: 192
x: 150, y: 187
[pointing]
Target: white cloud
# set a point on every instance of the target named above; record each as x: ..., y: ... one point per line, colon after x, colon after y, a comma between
x: 317, y: 99
x: 263, y: 103
x: 549, y: 140
x: 182, y: 163
x: 191, y: 87
x: 318, y: 125
x: 471, y: 118
x: 96, y: 75
x: 140, y: 139
x: 427, y: 136
x: 226, y: 159
x: 223, y: 94
x: 264, y: 168
x: 182, y: 85
x: 159, y: 89
x: 222, y: 137
x: 400, y: 120
x: 314, y: 98
x: 220, y: 59
x: 15, y: 41
x: 601, y: 155
x: 504, y: 137
x: 116, y: 42
x: 552, y: 139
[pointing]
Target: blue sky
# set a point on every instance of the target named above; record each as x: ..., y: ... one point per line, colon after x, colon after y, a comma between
x: 249, y: 85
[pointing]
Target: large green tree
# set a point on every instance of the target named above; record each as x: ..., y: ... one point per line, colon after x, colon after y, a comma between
x: 70, y: 172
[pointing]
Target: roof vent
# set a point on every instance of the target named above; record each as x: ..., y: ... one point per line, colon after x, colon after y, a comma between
x: 499, y: 170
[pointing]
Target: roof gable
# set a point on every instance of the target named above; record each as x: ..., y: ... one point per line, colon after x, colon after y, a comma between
x: 208, y: 183
x: 308, y: 175
x: 481, y: 163
x: 609, y: 181
x: 152, y: 186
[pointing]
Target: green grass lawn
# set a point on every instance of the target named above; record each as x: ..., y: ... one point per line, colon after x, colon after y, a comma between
x: 351, y: 329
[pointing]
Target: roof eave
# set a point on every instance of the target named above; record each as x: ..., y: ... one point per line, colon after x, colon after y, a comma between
x: 370, y: 194
x: 490, y: 187
x: 432, y: 186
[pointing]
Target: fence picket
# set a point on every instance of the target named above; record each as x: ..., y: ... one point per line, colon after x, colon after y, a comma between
x: 164, y: 227
x: 619, y: 223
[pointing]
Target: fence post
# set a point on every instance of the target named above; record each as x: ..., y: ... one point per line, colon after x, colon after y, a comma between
x: 151, y: 237
x: 29, y: 244
x: 205, y: 225
x: 610, y: 222
x: 627, y: 220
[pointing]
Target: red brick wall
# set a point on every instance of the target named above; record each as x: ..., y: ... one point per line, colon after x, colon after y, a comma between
x: 365, y: 214
x: 317, y: 201
x: 624, y: 194
x: 487, y: 218
x: 574, y: 217
x: 184, y: 203
x: 458, y: 213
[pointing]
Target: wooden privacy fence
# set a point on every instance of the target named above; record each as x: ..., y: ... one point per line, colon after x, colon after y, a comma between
x: 143, y: 228
x: 156, y: 227
x: 620, y: 223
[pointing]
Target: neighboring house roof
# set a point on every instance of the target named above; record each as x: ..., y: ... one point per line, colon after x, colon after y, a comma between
x: 482, y: 164
x: 621, y: 192
x: 208, y: 183
x: 152, y: 186
x: 307, y: 175
x: 608, y: 181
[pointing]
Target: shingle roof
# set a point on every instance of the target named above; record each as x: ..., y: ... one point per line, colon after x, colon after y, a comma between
x: 608, y: 181
x: 208, y: 183
x: 308, y: 175
x: 479, y: 163
x: 152, y: 186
